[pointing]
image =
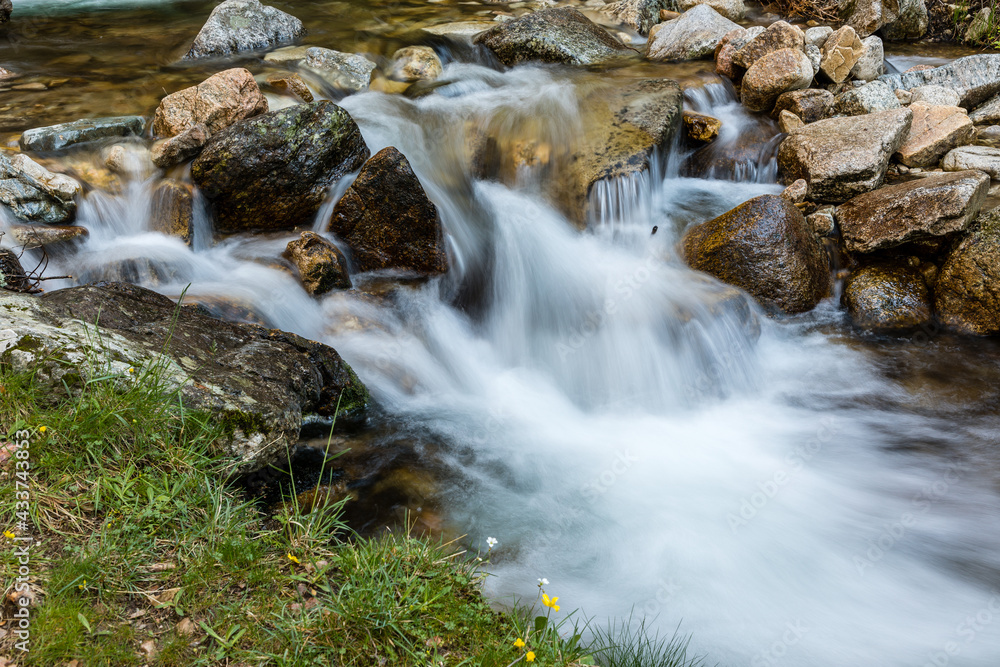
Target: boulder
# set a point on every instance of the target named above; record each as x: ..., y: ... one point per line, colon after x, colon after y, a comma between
x: 983, y: 158
x: 764, y: 247
x: 257, y: 384
x: 867, y: 16
x: 817, y: 36
x: 840, y: 53
x: 777, y: 36
x: 33, y: 193
x: 810, y: 105
x: 887, y: 298
x: 322, y: 267
x: 244, y: 25
x: 725, y: 52
x: 967, y: 290
x: 843, y: 157
x: 272, y: 171
x: 58, y: 137
x: 172, y: 210
x: 986, y: 113
x: 872, y: 97
x: 911, y: 21
x: 975, y: 78
x: 734, y: 10
x: 415, y: 63
x: 926, y: 208
x: 348, y: 71
x: 701, y: 127
x: 560, y: 35
x: 38, y: 236
x: 775, y: 73
x: 871, y: 62
x: 217, y: 102
x: 934, y: 132
x: 181, y: 147
x: 291, y: 84
x: 640, y: 15
x: 387, y: 220
x: 691, y: 37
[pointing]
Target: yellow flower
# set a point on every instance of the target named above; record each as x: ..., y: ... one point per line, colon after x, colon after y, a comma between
x: 42, y: 429
x: 293, y: 559
x: 529, y: 656
x: 550, y: 602
x: 8, y: 534
x: 83, y: 585
x: 519, y: 642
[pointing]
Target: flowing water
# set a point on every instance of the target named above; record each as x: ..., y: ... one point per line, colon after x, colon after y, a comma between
x: 789, y: 491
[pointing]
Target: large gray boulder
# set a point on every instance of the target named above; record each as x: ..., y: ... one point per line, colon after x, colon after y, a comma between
x: 692, y: 36
x: 244, y: 25
x: 33, y: 193
x: 975, y: 78
x: 843, y: 157
x: 58, y: 137
x: 926, y: 208
x: 560, y: 35
x: 967, y: 290
x: 257, y: 384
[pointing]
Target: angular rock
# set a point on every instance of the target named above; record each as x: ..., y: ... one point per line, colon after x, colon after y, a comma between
x: 734, y: 10
x: 701, y: 127
x: 37, y: 236
x: 871, y: 63
x: 415, y: 63
x: 937, y: 95
x: 975, y: 78
x: 290, y: 84
x: 817, y: 36
x: 217, y: 102
x: 887, y: 298
x: 692, y: 36
x: 244, y: 25
x: 35, y: 194
x: 172, y: 210
x: 911, y: 22
x: 844, y: 157
x: 779, y: 35
x: 560, y: 35
x: 934, y: 132
x: 988, y: 136
x: 810, y: 105
x: 789, y: 122
x: 401, y: 230
x: 986, y: 113
x: 775, y: 73
x: 322, y: 267
x: 257, y: 384
x: 272, y: 171
x: 967, y: 290
x: 872, y: 97
x: 349, y: 71
x: 725, y: 52
x: 764, y: 247
x: 925, y: 208
x: 983, y: 158
x: 58, y: 137
x: 867, y: 16
x: 181, y: 147
x: 840, y: 53
x: 640, y: 15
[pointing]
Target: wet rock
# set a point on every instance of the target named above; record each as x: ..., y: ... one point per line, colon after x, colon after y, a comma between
x: 172, y: 210
x: 844, y: 157
x: 387, y: 220
x: 37, y: 236
x: 870, y: 64
x: 692, y: 36
x: 217, y: 102
x: 822, y: 222
x: 322, y: 267
x: 701, y: 127
x: 929, y: 207
x: 33, y: 193
x: 817, y: 36
x: 810, y: 105
x: 967, y: 290
x: 772, y: 75
x: 796, y: 192
x: 640, y: 15
x: 415, y: 63
x: 58, y: 137
x: 887, y: 298
x: 288, y: 83
x: 988, y: 136
x: 777, y: 36
x: 287, y: 55
x: 257, y: 384
x: 975, y: 78
x: 272, y: 171
x: 560, y: 35
x: 181, y: 147
x: 983, y: 158
x: 986, y: 113
x: 348, y: 71
x: 911, y: 21
x: 734, y: 10
x: 934, y: 132
x: 131, y: 160
x: 461, y: 29
x: 244, y: 25
x: 840, y: 53
x: 764, y: 247
x: 789, y: 122
x: 872, y: 97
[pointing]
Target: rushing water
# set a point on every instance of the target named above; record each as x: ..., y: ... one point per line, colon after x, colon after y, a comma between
x: 788, y: 490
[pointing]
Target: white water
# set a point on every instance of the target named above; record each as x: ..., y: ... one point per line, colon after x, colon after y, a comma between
x: 608, y: 420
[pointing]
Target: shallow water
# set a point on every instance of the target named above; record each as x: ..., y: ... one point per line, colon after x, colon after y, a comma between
x: 790, y: 491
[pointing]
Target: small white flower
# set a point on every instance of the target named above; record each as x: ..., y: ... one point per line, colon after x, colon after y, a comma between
x: 543, y: 582
x: 491, y: 542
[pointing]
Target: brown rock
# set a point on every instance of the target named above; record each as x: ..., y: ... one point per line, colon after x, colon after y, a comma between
x: 217, y: 102
x: 172, y: 210
x: 290, y: 84
x: 667, y: 15
x: 775, y: 73
x: 779, y: 35
x: 181, y: 147
x: 415, y: 63
x: 840, y: 53
x: 789, y: 122
x: 387, y: 220
x: 796, y: 192
x: 925, y: 208
x: 810, y: 105
x: 887, y: 298
x: 725, y: 52
x: 764, y: 247
x: 934, y: 132
x: 967, y: 290
x: 701, y: 127
x: 322, y: 267
x: 36, y: 236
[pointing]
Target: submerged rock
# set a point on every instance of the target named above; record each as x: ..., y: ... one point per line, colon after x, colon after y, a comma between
x: 387, y: 220
x: 967, y: 290
x: 561, y: 35
x: 921, y: 209
x: 934, y: 132
x: 764, y: 247
x: 217, y: 102
x: 272, y: 171
x: 290, y: 84
x: 975, y: 78
x: 256, y: 383
x: 349, y: 71
x: 244, y: 25
x: 415, y: 63
x: 58, y: 137
x: 35, y: 194
x: 322, y: 267
x: 172, y: 210
x: 887, y: 298
x: 692, y: 36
